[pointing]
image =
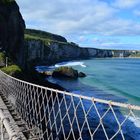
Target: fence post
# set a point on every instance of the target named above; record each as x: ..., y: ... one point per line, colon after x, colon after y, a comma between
x: 6, y: 62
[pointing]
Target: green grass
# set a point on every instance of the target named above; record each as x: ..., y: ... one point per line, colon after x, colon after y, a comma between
x: 46, y: 37
x: 43, y: 34
x: 12, y: 70
x: 45, y: 40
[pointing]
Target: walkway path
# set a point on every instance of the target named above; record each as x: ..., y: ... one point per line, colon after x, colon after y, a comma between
x: 9, y: 113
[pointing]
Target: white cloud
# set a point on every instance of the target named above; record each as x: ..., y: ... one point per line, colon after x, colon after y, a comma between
x: 136, y: 12
x: 73, y: 18
x: 65, y: 16
x: 126, y: 3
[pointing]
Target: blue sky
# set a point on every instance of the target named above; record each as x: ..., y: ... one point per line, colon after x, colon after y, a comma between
x: 90, y: 23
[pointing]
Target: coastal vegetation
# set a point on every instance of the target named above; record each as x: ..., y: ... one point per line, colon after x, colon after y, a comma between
x: 13, y: 70
x: 2, y: 59
x: 46, y: 37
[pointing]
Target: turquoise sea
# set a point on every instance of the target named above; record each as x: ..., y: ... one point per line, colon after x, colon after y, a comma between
x: 116, y: 79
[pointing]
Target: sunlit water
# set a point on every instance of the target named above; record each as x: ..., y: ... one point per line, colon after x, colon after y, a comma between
x: 112, y: 79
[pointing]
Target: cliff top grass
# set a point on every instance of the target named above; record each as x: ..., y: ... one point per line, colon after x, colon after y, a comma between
x: 43, y: 34
x: 46, y: 40
x: 46, y: 37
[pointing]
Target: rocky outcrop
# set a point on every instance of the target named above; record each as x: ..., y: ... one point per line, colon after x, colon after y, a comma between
x: 81, y: 74
x: 11, y: 30
x: 67, y: 72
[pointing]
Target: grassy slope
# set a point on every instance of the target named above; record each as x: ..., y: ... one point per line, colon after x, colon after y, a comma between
x: 43, y: 34
x: 45, y: 40
x: 46, y: 37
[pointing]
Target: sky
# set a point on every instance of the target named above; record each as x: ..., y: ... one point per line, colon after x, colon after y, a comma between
x: 106, y: 24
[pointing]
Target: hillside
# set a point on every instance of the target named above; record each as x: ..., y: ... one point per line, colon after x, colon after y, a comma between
x: 37, y: 34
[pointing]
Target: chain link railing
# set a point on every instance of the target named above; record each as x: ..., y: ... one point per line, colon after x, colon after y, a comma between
x: 60, y: 115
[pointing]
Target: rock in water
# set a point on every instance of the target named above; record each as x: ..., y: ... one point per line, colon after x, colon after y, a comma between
x: 67, y: 72
x: 81, y: 74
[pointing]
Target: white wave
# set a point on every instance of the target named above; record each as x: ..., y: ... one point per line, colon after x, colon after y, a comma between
x: 45, y: 68
x: 133, y: 130
x: 70, y: 64
x: 135, y: 120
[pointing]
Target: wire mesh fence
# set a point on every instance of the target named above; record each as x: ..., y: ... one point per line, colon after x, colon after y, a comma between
x: 60, y: 115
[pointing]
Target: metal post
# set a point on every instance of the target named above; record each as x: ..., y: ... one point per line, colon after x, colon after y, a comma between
x: 6, y: 61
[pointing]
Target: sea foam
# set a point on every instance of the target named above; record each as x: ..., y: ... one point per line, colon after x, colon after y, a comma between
x: 70, y: 64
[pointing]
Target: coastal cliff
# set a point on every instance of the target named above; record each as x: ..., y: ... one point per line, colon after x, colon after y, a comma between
x: 46, y: 48
x: 11, y: 30
x: 34, y: 47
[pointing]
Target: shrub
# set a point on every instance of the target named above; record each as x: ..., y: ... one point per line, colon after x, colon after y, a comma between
x: 2, y: 56
x: 12, y: 70
x: 2, y: 59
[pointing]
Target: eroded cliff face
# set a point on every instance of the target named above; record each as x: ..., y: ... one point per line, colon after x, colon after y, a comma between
x: 11, y: 30
x: 39, y: 52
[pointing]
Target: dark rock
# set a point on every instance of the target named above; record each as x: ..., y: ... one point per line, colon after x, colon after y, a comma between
x: 81, y: 74
x: 12, y: 30
x: 67, y: 72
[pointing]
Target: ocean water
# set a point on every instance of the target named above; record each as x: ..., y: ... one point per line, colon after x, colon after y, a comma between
x: 116, y: 79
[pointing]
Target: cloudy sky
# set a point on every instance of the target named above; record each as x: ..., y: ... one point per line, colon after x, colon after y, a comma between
x: 90, y: 23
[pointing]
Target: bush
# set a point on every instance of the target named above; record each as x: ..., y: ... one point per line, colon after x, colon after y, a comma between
x: 2, y: 59
x: 12, y: 70
x: 2, y: 56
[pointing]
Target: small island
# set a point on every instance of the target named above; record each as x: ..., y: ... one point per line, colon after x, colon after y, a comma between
x: 64, y: 72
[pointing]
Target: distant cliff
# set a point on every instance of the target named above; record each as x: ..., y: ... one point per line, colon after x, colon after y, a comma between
x: 47, y: 48
x: 11, y: 29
